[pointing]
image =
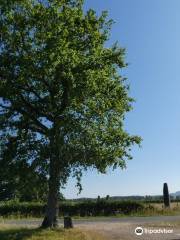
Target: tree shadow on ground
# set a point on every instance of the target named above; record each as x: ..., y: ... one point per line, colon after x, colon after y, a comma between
x: 18, y: 233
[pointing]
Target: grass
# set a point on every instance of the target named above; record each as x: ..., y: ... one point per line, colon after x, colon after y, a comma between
x: 157, y: 209
x: 16, y: 233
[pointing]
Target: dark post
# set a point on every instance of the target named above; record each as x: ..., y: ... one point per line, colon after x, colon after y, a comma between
x: 166, y: 196
x: 68, y: 222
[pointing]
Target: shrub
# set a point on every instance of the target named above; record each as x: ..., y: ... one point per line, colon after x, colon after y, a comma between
x: 22, y: 208
x: 86, y: 208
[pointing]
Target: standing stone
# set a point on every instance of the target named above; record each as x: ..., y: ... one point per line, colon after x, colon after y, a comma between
x: 166, y: 196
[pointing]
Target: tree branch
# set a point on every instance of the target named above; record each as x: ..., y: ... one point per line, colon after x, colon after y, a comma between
x: 41, y: 128
x: 35, y: 110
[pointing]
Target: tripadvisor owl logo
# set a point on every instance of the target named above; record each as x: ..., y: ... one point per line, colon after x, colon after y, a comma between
x: 139, y: 231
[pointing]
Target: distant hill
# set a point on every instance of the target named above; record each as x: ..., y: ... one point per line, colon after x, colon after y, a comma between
x: 119, y: 198
x: 176, y: 194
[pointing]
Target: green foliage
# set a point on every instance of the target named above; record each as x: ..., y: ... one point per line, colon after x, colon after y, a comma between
x: 88, y: 208
x: 61, y: 95
x: 22, y: 208
x: 18, y: 180
x: 107, y: 197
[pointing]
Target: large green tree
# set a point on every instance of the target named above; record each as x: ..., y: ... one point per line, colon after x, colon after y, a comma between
x: 62, y: 98
x: 19, y: 179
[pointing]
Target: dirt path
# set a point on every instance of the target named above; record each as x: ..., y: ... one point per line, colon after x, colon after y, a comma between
x: 126, y: 231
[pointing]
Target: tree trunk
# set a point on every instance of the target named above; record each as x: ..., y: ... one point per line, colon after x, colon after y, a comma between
x: 52, y: 210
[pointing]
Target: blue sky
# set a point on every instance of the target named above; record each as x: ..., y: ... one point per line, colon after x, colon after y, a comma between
x: 150, y: 32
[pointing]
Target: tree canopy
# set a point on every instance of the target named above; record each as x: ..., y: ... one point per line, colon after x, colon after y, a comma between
x: 62, y: 98
x: 20, y: 180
